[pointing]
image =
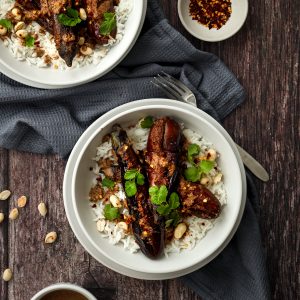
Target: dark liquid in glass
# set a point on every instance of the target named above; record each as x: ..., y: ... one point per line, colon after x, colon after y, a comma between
x: 63, y: 295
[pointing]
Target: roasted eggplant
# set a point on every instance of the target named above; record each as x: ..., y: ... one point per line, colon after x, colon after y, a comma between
x: 146, y: 226
x: 163, y: 160
x: 162, y: 153
x: 197, y: 200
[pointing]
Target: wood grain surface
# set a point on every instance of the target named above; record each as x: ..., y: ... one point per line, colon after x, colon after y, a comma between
x: 264, y: 55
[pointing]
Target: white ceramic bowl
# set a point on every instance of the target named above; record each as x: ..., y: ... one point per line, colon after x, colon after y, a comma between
x: 233, y: 25
x: 50, y: 78
x: 63, y: 286
x: 81, y: 216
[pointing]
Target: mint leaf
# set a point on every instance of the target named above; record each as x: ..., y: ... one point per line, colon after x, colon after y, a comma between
x: 29, y: 41
x: 174, y: 201
x: 70, y: 18
x: 6, y: 23
x: 176, y: 217
x: 162, y: 194
x: 147, y: 122
x: 158, y: 195
x: 130, y: 174
x: 135, y: 174
x: 192, y: 174
x: 108, y: 183
x: 153, y: 192
x: 206, y: 166
x: 72, y: 13
x: 193, y: 149
x: 130, y: 188
x: 168, y: 223
x: 108, y: 24
x: 110, y: 212
x: 140, y: 179
x: 163, y: 209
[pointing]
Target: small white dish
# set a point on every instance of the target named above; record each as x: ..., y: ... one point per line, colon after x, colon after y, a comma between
x: 232, y: 26
x: 63, y: 286
x: 77, y: 183
x: 50, y: 78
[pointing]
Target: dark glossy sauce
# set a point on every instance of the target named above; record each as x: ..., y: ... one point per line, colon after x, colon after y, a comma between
x: 63, y: 295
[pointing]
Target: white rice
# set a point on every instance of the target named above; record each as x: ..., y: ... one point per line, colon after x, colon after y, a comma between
x: 46, y: 41
x: 197, y: 227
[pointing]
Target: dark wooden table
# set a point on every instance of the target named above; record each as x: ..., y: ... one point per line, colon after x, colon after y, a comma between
x: 265, y: 57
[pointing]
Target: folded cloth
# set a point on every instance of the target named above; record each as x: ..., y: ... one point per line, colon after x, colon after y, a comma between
x: 51, y: 121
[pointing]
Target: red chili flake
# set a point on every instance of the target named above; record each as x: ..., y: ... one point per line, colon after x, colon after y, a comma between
x: 210, y: 13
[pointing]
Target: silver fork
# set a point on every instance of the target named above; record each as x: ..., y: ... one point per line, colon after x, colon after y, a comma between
x: 175, y: 89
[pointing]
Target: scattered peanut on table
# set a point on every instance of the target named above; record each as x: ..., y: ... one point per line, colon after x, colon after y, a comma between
x: 22, y: 201
x: 14, y: 213
x: 4, y: 195
x: 1, y: 217
x: 7, y: 275
x: 51, y: 237
x: 42, y: 209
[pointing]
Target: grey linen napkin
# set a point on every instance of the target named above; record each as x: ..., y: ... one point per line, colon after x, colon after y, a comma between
x: 51, y: 121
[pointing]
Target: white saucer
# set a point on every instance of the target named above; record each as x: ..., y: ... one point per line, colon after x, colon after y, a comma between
x: 233, y: 25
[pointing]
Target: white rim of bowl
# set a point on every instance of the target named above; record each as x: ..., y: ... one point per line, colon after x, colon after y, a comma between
x: 16, y: 75
x: 137, y: 106
x: 212, y: 40
x: 63, y: 286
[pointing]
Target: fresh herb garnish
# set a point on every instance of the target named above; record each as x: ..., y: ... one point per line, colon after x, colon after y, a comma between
x: 70, y: 18
x: 194, y: 173
x: 140, y: 179
x: 130, y: 188
x: 193, y: 149
x: 147, y: 122
x: 206, y: 166
x: 174, y: 201
x: 158, y: 196
x: 174, y: 219
x: 108, y: 24
x: 110, y: 212
x: 29, y: 41
x: 163, y: 209
x: 168, y: 223
x: 130, y: 174
x: 133, y: 177
x: 108, y: 183
x: 6, y: 23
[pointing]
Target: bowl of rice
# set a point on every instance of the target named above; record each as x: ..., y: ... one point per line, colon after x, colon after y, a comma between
x: 40, y: 65
x: 111, y: 241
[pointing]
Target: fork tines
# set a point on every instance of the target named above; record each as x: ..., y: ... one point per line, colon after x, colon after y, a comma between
x: 171, y: 86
